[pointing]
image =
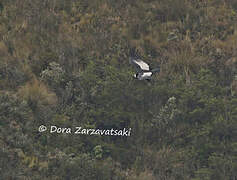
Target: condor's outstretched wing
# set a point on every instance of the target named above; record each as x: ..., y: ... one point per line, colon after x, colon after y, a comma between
x: 139, y: 64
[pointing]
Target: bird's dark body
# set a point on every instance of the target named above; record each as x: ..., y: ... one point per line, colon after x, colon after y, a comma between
x: 143, y: 70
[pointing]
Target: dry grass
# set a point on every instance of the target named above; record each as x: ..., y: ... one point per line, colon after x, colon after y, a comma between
x: 36, y: 93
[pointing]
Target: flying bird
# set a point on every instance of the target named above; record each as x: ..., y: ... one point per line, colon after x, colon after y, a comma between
x: 143, y: 70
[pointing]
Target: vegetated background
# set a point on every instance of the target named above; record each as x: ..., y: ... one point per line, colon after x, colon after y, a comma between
x: 65, y: 63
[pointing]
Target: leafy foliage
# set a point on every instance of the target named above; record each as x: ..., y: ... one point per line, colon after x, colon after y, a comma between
x: 65, y: 63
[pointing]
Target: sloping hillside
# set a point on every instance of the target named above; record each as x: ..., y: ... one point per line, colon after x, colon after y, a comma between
x: 64, y: 63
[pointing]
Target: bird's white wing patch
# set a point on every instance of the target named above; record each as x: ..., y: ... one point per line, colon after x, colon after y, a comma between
x: 142, y: 64
x: 147, y: 74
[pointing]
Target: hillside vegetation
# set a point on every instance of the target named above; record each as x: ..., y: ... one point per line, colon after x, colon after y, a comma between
x: 65, y: 63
